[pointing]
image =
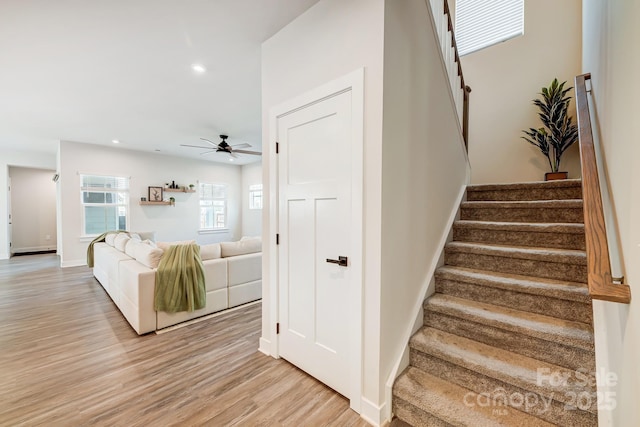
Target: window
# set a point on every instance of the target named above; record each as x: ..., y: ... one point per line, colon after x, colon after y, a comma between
x: 483, y: 23
x: 105, y: 203
x: 213, y: 206
x: 255, y: 196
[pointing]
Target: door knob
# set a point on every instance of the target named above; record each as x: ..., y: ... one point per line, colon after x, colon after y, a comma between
x: 341, y: 261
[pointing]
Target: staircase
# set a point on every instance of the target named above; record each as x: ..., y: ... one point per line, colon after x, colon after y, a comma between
x: 507, y: 337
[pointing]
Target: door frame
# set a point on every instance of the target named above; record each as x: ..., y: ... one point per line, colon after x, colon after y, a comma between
x: 354, y: 83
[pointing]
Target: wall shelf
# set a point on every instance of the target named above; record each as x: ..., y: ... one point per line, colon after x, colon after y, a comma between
x: 178, y: 190
x: 156, y: 203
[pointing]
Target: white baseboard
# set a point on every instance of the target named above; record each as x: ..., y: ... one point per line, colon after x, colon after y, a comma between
x: 74, y: 263
x: 34, y: 249
x: 264, y: 347
x: 372, y: 413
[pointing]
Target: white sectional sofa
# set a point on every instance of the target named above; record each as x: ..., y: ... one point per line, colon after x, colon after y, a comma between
x: 126, y: 269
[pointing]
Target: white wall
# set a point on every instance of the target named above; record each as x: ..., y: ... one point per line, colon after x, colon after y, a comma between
x: 145, y: 169
x: 610, y: 54
x: 251, y: 218
x: 424, y: 170
x: 330, y: 40
x: 16, y: 158
x: 33, y: 208
x: 505, y: 78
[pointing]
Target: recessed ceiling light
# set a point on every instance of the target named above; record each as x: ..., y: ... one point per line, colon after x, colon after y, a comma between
x: 231, y: 159
x: 115, y: 141
x: 198, y: 68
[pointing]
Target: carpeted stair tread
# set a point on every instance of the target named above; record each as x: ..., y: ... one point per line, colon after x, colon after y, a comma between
x: 564, y: 256
x: 511, y: 368
x: 446, y: 402
x: 540, y: 190
x: 539, y: 326
x: 562, y: 211
x: 523, y: 204
x: 549, y: 235
x: 571, y: 291
x: 535, y: 227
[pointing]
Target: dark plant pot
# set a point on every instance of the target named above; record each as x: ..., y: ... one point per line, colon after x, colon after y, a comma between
x: 552, y: 176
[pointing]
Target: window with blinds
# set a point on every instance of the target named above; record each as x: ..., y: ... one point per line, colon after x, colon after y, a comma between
x: 105, y: 203
x: 483, y: 23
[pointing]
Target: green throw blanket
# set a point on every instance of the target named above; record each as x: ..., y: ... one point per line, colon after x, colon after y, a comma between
x: 180, y: 280
x: 98, y: 239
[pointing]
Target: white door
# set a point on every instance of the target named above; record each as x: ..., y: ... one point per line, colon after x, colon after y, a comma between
x: 315, y: 191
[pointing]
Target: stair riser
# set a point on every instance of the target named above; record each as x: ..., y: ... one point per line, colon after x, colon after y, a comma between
x: 561, y: 193
x: 520, y: 238
x: 528, y: 267
x: 532, y: 214
x: 563, y: 309
x: 561, y: 354
x: 415, y: 416
x: 553, y: 410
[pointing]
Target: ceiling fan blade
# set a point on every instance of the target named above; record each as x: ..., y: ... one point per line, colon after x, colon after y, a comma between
x: 232, y: 154
x: 207, y: 152
x: 195, y: 146
x: 255, y: 153
x: 243, y: 145
x: 210, y: 142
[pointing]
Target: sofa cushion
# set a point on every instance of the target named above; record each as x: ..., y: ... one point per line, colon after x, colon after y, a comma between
x: 211, y: 251
x: 110, y: 238
x: 147, y: 235
x: 120, y: 242
x: 148, y: 256
x: 246, y: 246
x: 165, y: 245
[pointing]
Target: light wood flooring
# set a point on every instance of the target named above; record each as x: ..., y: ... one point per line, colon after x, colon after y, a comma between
x: 69, y: 358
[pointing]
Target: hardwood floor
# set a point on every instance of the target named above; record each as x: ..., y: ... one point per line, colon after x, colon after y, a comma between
x: 69, y: 358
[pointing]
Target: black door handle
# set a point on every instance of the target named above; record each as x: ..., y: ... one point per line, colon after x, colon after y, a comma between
x: 341, y: 261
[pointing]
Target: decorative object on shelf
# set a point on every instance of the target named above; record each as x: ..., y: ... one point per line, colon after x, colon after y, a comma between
x: 559, y: 132
x: 172, y: 200
x: 173, y: 185
x: 143, y: 199
x: 155, y: 194
x: 191, y: 186
x: 166, y: 185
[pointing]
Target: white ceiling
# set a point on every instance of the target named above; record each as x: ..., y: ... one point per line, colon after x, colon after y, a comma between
x: 96, y: 70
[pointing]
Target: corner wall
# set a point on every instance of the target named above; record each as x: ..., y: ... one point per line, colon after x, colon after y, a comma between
x: 424, y: 171
x: 179, y: 222
x: 330, y: 40
x: 505, y: 78
x: 610, y: 54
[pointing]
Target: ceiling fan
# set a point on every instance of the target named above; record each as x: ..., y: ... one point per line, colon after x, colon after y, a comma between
x: 224, y: 147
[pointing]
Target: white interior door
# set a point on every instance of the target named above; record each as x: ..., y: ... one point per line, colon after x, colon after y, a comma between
x: 315, y: 191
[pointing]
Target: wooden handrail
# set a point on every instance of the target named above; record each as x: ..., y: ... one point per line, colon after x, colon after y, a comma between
x: 465, y: 89
x: 601, y: 285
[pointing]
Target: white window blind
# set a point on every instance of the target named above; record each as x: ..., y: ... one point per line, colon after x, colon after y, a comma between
x: 483, y: 23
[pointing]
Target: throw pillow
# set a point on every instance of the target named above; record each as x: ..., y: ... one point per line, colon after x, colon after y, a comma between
x: 148, y: 256
x: 109, y: 239
x: 121, y: 241
x: 131, y: 247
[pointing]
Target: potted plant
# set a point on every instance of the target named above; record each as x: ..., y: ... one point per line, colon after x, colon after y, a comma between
x: 559, y: 132
x: 191, y: 186
x: 172, y: 200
